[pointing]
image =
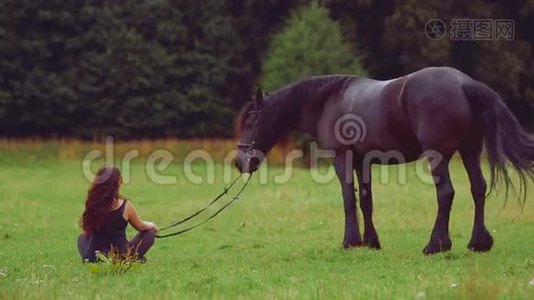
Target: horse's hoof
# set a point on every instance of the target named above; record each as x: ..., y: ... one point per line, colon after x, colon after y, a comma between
x: 373, y: 245
x: 481, y: 241
x: 351, y: 245
x: 437, y: 247
x: 372, y: 242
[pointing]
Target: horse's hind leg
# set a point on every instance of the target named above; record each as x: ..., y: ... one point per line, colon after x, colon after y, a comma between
x: 440, y: 240
x: 481, y: 239
x: 370, y: 237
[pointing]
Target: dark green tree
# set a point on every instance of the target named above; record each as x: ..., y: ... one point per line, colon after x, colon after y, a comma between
x: 132, y: 68
x: 36, y: 91
x: 309, y: 44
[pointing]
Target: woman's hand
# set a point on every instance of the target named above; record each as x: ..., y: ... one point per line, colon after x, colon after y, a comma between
x: 151, y: 226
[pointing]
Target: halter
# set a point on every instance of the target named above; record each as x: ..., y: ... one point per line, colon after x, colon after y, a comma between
x: 250, y: 148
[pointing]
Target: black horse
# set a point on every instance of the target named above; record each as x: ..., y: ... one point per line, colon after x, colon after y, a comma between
x: 434, y: 110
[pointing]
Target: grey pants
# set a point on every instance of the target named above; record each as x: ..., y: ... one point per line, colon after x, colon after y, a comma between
x: 142, y: 241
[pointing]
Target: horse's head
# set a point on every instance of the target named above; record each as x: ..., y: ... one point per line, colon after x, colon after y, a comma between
x: 257, y: 137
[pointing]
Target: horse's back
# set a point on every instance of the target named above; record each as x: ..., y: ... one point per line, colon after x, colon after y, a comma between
x: 423, y: 110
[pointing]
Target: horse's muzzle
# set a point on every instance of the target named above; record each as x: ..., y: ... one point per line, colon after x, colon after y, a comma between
x: 249, y: 165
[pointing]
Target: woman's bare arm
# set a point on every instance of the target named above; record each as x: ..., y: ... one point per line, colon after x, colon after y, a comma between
x: 131, y: 215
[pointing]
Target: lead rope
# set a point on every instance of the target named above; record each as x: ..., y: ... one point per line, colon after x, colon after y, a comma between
x: 224, y: 192
x: 236, y: 197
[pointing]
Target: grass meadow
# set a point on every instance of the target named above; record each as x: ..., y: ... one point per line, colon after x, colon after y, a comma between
x: 278, y: 241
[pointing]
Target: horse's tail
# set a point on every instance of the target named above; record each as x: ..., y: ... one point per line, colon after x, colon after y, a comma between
x: 506, y: 142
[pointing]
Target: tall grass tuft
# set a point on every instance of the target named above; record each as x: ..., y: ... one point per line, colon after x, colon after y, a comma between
x: 115, y: 263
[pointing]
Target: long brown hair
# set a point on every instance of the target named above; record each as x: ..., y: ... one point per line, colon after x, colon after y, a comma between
x: 100, y: 198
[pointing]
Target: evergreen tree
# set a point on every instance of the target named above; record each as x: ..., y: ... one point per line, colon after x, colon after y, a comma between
x: 309, y: 44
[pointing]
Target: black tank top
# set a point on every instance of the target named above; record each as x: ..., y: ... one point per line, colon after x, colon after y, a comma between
x: 113, y: 232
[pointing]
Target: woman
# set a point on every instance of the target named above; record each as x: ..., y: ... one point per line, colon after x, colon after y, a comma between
x: 106, y: 217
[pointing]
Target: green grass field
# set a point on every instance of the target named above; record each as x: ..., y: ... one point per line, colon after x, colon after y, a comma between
x: 278, y: 241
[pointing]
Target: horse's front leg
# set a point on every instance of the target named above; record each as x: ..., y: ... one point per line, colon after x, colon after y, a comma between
x: 370, y: 237
x: 344, y: 171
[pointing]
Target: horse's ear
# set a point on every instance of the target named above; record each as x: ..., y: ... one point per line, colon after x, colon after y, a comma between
x: 259, y: 98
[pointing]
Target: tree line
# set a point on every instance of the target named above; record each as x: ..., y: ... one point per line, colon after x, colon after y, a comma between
x: 183, y: 68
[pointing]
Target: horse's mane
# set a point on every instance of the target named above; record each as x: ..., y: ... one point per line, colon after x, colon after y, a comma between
x: 317, y: 88
x: 320, y: 86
